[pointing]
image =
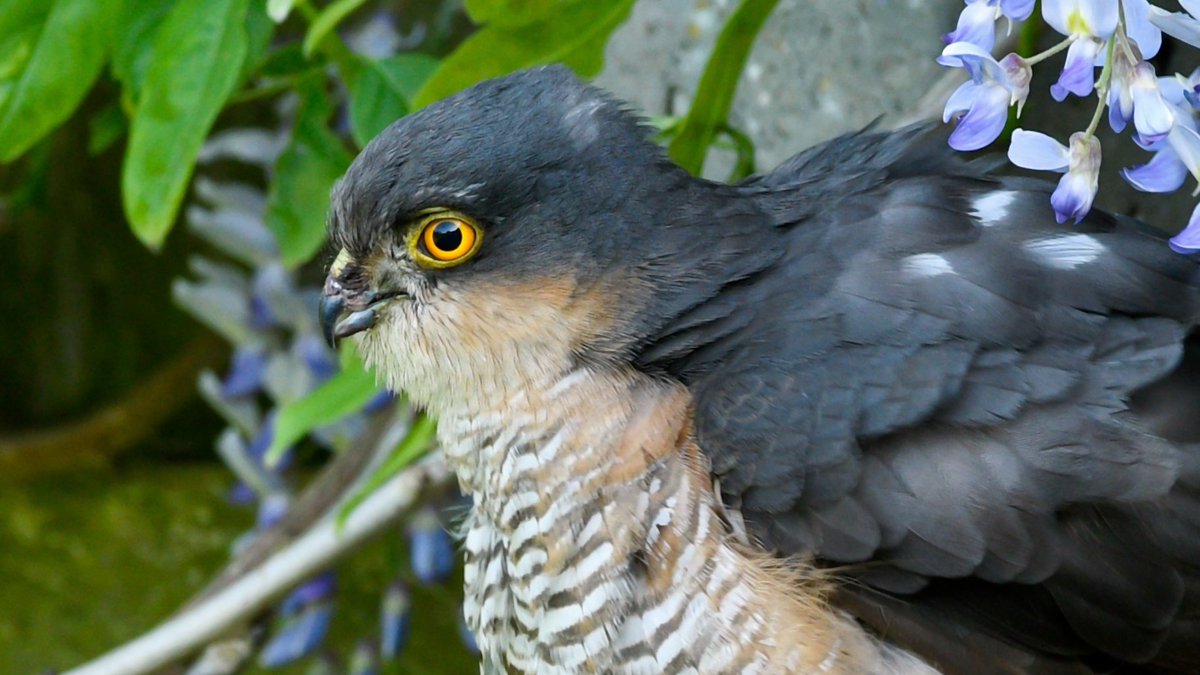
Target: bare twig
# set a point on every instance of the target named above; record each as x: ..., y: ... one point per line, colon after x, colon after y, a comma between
x: 330, y: 487
x: 247, y: 588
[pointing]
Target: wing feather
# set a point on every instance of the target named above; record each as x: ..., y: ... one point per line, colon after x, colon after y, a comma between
x: 933, y: 383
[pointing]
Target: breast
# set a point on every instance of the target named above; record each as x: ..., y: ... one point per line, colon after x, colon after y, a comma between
x: 547, y: 562
x: 595, y: 543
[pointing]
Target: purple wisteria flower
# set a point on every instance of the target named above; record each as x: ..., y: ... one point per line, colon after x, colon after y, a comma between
x: 983, y: 101
x: 1179, y: 25
x: 304, y: 623
x: 1119, y: 36
x: 245, y: 376
x: 271, y: 509
x: 395, y: 620
x: 1178, y: 152
x: 1188, y: 241
x: 431, y: 553
x: 299, y: 636
x: 316, y: 589
x: 1181, y: 91
x: 1088, y: 23
x: 977, y: 23
x: 1140, y: 29
x: 1174, y: 158
x: 1176, y: 155
x: 1135, y: 94
x: 1080, y: 164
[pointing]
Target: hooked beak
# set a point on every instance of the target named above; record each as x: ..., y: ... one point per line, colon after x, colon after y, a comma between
x: 345, y: 311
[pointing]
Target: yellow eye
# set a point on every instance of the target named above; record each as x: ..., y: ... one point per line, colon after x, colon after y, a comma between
x: 449, y: 239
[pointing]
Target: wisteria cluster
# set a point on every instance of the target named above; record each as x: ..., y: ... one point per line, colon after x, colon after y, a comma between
x: 1116, y: 36
x: 269, y: 317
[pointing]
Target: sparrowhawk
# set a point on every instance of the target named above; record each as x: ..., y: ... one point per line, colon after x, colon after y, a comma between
x: 873, y: 411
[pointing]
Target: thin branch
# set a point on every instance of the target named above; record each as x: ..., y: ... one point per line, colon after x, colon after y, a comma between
x: 331, y: 487
x: 254, y: 589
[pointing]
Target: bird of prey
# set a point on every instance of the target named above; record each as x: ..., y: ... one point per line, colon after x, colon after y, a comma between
x: 872, y: 412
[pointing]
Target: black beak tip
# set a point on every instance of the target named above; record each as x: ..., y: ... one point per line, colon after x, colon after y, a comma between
x: 330, y: 311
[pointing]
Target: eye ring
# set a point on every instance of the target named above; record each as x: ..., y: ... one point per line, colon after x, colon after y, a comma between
x: 446, y: 239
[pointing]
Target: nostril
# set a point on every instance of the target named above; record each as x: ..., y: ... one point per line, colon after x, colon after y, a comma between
x: 333, y: 286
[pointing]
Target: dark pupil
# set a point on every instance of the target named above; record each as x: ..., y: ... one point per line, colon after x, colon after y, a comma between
x: 447, y: 235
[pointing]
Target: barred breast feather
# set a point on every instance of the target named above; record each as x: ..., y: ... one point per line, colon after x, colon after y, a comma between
x: 596, y: 544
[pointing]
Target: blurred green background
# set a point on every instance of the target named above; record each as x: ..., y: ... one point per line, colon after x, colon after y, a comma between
x: 164, y: 175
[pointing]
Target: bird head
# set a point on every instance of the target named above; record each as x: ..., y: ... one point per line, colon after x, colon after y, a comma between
x: 498, y: 238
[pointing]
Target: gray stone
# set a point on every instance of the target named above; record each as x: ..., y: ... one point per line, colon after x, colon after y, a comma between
x: 824, y: 67
x: 818, y: 69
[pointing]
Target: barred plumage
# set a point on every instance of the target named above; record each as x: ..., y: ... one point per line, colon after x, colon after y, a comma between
x: 596, y: 544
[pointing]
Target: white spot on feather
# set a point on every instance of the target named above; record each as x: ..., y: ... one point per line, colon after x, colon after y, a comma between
x: 1065, y: 252
x: 923, y: 265
x: 992, y: 208
x: 581, y: 123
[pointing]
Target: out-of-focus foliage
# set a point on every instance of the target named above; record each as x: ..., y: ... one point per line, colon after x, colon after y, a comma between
x: 180, y: 63
x: 50, y: 54
x: 341, y: 395
x: 573, y: 32
x: 313, y: 159
x: 714, y: 97
x: 238, y: 116
x: 195, y: 61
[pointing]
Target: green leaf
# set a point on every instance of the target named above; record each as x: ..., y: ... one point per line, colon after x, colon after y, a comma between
x: 409, y: 72
x: 198, y: 53
x: 573, y: 33
x: 284, y: 61
x: 343, y: 394
x: 414, y: 446
x: 379, y: 94
x: 714, y: 96
x: 509, y: 13
x: 374, y: 103
x: 741, y: 144
x: 299, y: 194
x: 134, y: 47
x: 18, y: 14
x: 105, y: 128
x: 49, y: 66
x: 326, y: 21
x: 20, y: 27
x: 259, y: 30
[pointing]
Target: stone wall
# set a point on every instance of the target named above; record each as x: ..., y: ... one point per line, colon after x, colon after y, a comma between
x: 818, y: 69
x: 825, y: 67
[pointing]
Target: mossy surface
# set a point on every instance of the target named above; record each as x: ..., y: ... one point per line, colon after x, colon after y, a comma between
x: 91, y: 560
